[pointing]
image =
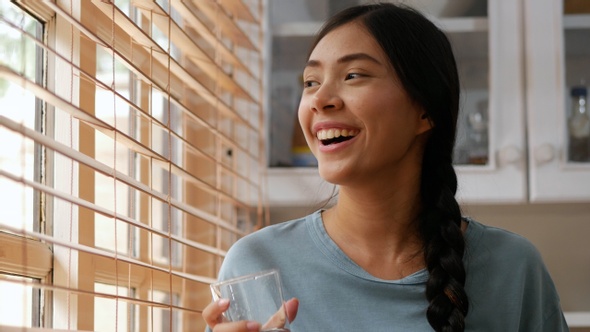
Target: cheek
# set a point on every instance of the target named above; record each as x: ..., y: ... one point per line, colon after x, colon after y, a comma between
x: 304, y: 115
x: 304, y: 122
x: 371, y: 112
x: 394, y: 120
x: 369, y: 101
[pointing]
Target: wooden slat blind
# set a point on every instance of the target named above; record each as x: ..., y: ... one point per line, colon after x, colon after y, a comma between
x: 143, y: 157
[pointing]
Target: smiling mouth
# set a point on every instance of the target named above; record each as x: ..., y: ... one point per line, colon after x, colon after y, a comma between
x: 333, y: 136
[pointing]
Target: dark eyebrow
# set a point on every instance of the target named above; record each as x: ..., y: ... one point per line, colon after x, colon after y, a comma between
x: 346, y: 58
x: 357, y: 56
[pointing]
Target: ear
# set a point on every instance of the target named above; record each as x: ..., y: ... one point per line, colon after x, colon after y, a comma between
x: 424, y: 124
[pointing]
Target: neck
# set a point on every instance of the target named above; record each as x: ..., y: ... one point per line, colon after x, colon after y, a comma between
x: 379, y: 233
x: 374, y: 223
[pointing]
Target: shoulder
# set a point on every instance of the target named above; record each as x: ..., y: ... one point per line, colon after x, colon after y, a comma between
x: 266, y: 248
x: 489, y: 242
x: 500, y: 258
x: 506, y: 277
x: 282, y: 231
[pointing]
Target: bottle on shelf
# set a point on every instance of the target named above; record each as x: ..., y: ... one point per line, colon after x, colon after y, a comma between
x: 579, y: 126
x: 478, y: 142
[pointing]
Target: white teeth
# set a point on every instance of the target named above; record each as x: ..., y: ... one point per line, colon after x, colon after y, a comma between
x: 330, y: 133
x: 325, y: 134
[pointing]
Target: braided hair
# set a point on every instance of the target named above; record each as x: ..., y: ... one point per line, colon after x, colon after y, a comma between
x: 424, y: 62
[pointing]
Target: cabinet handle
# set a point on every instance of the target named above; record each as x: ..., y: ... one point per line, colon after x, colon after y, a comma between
x: 544, y: 153
x: 509, y: 155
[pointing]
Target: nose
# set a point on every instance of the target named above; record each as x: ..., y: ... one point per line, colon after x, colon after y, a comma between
x: 326, y: 98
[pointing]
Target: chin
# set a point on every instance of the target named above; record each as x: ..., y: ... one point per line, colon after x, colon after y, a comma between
x: 333, y: 174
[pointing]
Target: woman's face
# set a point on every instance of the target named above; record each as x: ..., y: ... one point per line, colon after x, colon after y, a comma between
x: 357, y: 118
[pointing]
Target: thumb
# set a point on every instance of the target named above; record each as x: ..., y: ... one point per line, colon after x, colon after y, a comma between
x: 285, y: 314
x: 292, y: 306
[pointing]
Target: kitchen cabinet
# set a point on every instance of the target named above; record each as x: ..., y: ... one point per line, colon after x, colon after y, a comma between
x: 557, y: 58
x: 517, y: 61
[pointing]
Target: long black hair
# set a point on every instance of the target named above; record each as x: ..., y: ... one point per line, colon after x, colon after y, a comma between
x: 424, y: 62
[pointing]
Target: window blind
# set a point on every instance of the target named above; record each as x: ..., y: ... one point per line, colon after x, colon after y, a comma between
x: 135, y: 154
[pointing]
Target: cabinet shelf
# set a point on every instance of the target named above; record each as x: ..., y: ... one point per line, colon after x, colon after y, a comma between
x: 296, y: 29
x: 296, y: 186
x: 576, y: 21
x: 308, y: 29
x: 462, y: 24
x: 577, y: 319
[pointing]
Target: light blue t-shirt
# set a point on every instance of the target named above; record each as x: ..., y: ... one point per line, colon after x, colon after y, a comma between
x: 508, y: 285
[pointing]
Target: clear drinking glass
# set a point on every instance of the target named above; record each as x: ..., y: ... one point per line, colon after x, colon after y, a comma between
x: 255, y: 297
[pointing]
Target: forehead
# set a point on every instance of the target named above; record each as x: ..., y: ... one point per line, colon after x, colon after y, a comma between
x: 347, y: 39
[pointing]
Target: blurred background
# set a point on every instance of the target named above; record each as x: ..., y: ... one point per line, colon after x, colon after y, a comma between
x: 523, y: 146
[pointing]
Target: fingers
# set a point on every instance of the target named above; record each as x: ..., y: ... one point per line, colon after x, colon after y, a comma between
x: 241, y: 326
x: 213, y: 312
x: 277, y: 320
x: 213, y: 315
x: 286, y: 313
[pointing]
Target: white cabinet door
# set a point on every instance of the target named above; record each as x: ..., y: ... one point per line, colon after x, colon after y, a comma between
x: 504, y: 177
x: 550, y: 73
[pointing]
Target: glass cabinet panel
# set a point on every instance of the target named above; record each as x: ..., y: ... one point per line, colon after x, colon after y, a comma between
x: 468, y: 32
x: 576, y: 23
x: 293, y: 24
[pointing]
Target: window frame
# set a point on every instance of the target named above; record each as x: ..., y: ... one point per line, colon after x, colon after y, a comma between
x: 20, y: 254
x: 67, y: 222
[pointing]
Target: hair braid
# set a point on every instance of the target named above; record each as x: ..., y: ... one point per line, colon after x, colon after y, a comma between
x: 422, y: 57
x: 444, y: 247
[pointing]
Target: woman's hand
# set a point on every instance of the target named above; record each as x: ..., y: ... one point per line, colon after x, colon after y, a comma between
x: 213, y: 315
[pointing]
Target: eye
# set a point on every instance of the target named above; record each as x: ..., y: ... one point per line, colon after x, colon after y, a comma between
x: 309, y: 84
x: 350, y: 76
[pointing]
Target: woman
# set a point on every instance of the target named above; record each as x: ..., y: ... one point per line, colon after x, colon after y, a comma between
x: 379, y: 111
